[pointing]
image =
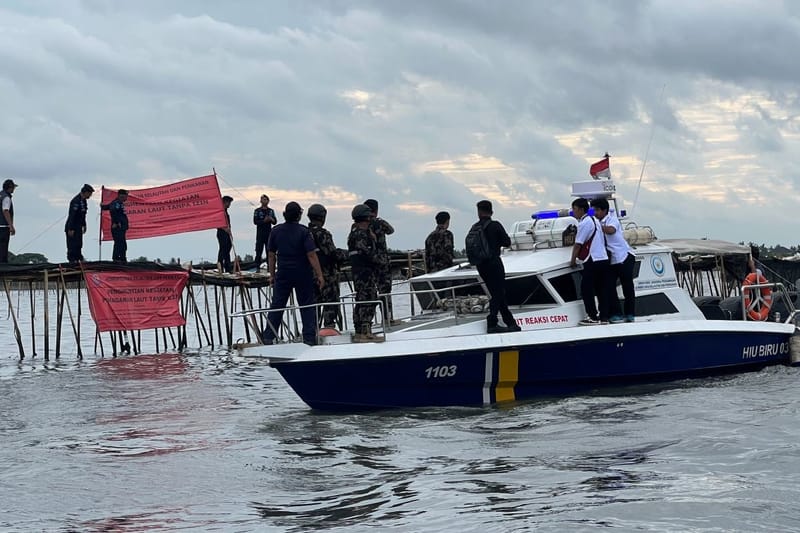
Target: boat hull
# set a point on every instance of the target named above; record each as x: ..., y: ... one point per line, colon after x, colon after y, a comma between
x: 512, y: 371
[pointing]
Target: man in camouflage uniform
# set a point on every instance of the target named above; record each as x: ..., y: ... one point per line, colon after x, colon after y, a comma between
x: 439, y: 244
x: 330, y: 258
x: 381, y: 229
x: 365, y: 261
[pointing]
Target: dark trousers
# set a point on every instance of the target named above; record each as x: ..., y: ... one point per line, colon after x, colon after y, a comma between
x: 120, y: 251
x: 5, y: 236
x: 384, y: 286
x: 74, y: 246
x: 261, y: 243
x: 624, y: 273
x: 225, y: 247
x: 594, y: 282
x: 493, y: 275
x: 303, y: 284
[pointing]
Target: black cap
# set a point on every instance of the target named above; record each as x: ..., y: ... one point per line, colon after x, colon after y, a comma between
x: 293, y: 211
x: 87, y: 188
x: 227, y: 198
x: 9, y: 183
x: 485, y: 206
x: 122, y: 191
x: 372, y: 204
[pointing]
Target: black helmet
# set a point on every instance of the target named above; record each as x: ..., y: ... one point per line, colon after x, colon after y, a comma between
x: 361, y: 212
x: 317, y: 211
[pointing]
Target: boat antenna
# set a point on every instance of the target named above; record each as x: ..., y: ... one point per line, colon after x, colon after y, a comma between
x: 646, y: 154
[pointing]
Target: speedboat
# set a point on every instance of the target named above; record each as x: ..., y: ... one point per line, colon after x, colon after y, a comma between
x: 442, y: 355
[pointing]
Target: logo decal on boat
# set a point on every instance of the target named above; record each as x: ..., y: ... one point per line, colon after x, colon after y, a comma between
x: 658, y: 265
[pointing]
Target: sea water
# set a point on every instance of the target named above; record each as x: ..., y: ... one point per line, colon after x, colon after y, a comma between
x: 207, y: 440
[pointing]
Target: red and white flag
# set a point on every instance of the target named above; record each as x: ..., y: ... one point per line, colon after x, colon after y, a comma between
x: 600, y: 169
x: 189, y: 205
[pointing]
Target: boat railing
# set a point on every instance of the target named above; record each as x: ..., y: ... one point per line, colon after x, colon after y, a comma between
x: 776, y: 288
x: 293, y: 327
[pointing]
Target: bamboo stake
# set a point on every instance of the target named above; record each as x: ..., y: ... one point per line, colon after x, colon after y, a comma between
x: 198, y: 320
x: 59, y: 318
x: 33, y: 318
x: 71, y: 319
x: 228, y: 333
x: 216, y: 308
x: 17, y: 333
x: 98, y: 337
x: 47, y: 317
x: 244, y: 318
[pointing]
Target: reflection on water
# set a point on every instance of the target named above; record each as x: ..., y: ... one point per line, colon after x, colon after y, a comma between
x: 212, y: 441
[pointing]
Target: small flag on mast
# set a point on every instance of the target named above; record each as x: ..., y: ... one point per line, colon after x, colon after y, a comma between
x: 600, y: 169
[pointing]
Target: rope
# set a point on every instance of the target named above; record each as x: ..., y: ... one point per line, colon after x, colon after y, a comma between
x: 235, y: 189
x: 24, y: 246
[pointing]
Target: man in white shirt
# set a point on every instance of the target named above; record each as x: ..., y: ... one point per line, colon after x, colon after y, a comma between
x: 622, y: 261
x: 595, y: 265
x: 6, y: 218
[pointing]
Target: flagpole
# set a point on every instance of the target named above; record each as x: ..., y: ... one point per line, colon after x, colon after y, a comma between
x: 100, y: 227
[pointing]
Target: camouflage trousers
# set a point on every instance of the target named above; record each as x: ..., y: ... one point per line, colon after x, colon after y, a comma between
x: 331, y: 314
x: 364, y: 285
x: 384, y: 286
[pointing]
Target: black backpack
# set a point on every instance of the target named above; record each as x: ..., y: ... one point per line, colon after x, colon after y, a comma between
x: 478, y: 249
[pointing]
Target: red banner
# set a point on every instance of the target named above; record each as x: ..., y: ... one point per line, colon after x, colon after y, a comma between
x: 135, y: 300
x: 189, y: 205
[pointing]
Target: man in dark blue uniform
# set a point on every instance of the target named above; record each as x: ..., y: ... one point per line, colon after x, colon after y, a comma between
x: 293, y: 264
x: 225, y: 239
x: 75, y: 226
x: 263, y: 218
x: 119, y: 225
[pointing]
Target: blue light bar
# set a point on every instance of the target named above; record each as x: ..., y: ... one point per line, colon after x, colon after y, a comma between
x: 541, y: 215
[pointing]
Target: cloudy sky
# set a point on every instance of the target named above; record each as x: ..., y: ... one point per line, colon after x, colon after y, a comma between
x: 423, y: 105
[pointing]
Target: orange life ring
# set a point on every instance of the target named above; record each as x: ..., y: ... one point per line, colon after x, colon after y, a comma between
x: 757, y: 301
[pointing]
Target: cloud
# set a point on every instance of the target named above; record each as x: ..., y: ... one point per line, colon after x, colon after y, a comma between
x: 422, y: 105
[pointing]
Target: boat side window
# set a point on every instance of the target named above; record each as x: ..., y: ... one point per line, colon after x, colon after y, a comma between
x: 527, y: 291
x: 428, y: 300
x: 654, y: 304
x: 566, y: 285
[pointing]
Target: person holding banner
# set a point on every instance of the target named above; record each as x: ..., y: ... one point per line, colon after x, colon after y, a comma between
x: 263, y: 218
x: 225, y: 239
x: 75, y: 226
x: 119, y: 225
x: 292, y: 260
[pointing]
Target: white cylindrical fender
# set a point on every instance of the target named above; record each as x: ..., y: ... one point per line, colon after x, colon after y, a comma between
x: 794, y: 349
